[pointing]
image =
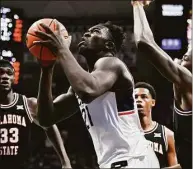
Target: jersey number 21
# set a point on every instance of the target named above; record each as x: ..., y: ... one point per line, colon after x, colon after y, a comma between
x: 86, y: 117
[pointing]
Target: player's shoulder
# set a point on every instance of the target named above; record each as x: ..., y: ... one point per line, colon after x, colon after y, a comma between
x: 32, y: 105
x: 109, y: 58
x: 109, y: 62
x: 32, y: 101
x: 169, y: 133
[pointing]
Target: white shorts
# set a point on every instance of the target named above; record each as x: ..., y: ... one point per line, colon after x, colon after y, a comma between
x: 148, y: 161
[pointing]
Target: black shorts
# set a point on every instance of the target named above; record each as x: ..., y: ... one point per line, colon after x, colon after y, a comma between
x: 184, y: 154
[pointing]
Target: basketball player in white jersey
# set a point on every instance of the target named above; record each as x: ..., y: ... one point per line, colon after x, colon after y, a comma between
x: 104, y: 95
x: 17, y: 113
x: 177, y: 71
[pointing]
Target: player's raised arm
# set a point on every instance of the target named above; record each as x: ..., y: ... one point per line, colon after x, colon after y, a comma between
x: 174, y: 72
x: 49, y: 112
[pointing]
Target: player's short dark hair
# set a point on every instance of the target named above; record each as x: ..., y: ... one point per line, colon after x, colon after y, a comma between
x: 146, y: 86
x: 6, y: 63
x: 116, y: 32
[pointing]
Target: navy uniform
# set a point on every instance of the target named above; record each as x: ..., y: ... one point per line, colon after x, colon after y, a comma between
x: 158, y: 140
x: 15, y: 125
x: 183, y: 136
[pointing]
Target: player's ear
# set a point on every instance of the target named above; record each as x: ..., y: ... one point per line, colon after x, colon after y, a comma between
x: 109, y: 45
x: 153, y: 102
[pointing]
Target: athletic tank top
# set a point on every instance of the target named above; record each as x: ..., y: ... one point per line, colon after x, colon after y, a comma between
x: 15, y: 123
x: 182, y: 121
x: 113, y: 123
x: 158, y: 141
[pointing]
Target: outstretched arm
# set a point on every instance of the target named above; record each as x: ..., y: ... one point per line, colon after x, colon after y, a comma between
x: 52, y: 133
x: 55, y: 138
x: 174, y: 72
x: 49, y: 112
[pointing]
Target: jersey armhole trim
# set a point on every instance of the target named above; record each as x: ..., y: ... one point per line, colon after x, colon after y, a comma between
x: 182, y: 113
x: 27, y: 109
x: 165, y: 137
x: 122, y: 113
x: 15, y: 99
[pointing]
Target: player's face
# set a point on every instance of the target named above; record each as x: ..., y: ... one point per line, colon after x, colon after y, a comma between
x: 187, y: 60
x: 94, y: 39
x: 6, y: 78
x: 144, y: 101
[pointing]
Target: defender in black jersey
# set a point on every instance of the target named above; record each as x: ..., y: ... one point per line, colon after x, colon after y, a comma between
x: 17, y: 113
x: 159, y: 137
x: 182, y: 122
x: 179, y: 72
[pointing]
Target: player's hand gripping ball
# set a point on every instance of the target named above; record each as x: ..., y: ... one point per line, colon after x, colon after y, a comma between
x: 39, y: 38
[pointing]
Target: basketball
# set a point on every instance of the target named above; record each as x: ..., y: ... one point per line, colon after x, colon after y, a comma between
x: 42, y: 53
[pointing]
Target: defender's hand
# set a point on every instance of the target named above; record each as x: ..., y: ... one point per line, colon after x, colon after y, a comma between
x: 178, y: 61
x: 141, y: 2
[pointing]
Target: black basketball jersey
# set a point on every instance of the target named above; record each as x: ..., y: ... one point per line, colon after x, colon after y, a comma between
x: 15, y: 125
x: 182, y: 121
x: 158, y: 141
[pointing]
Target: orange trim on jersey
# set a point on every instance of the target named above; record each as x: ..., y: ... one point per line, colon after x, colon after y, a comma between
x: 126, y: 112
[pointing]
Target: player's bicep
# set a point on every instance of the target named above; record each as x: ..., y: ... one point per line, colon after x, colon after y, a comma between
x: 106, y: 73
x: 104, y: 79
x: 182, y: 77
x: 185, y: 78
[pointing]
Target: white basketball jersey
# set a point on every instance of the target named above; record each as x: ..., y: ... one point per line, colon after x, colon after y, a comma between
x: 116, y: 135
